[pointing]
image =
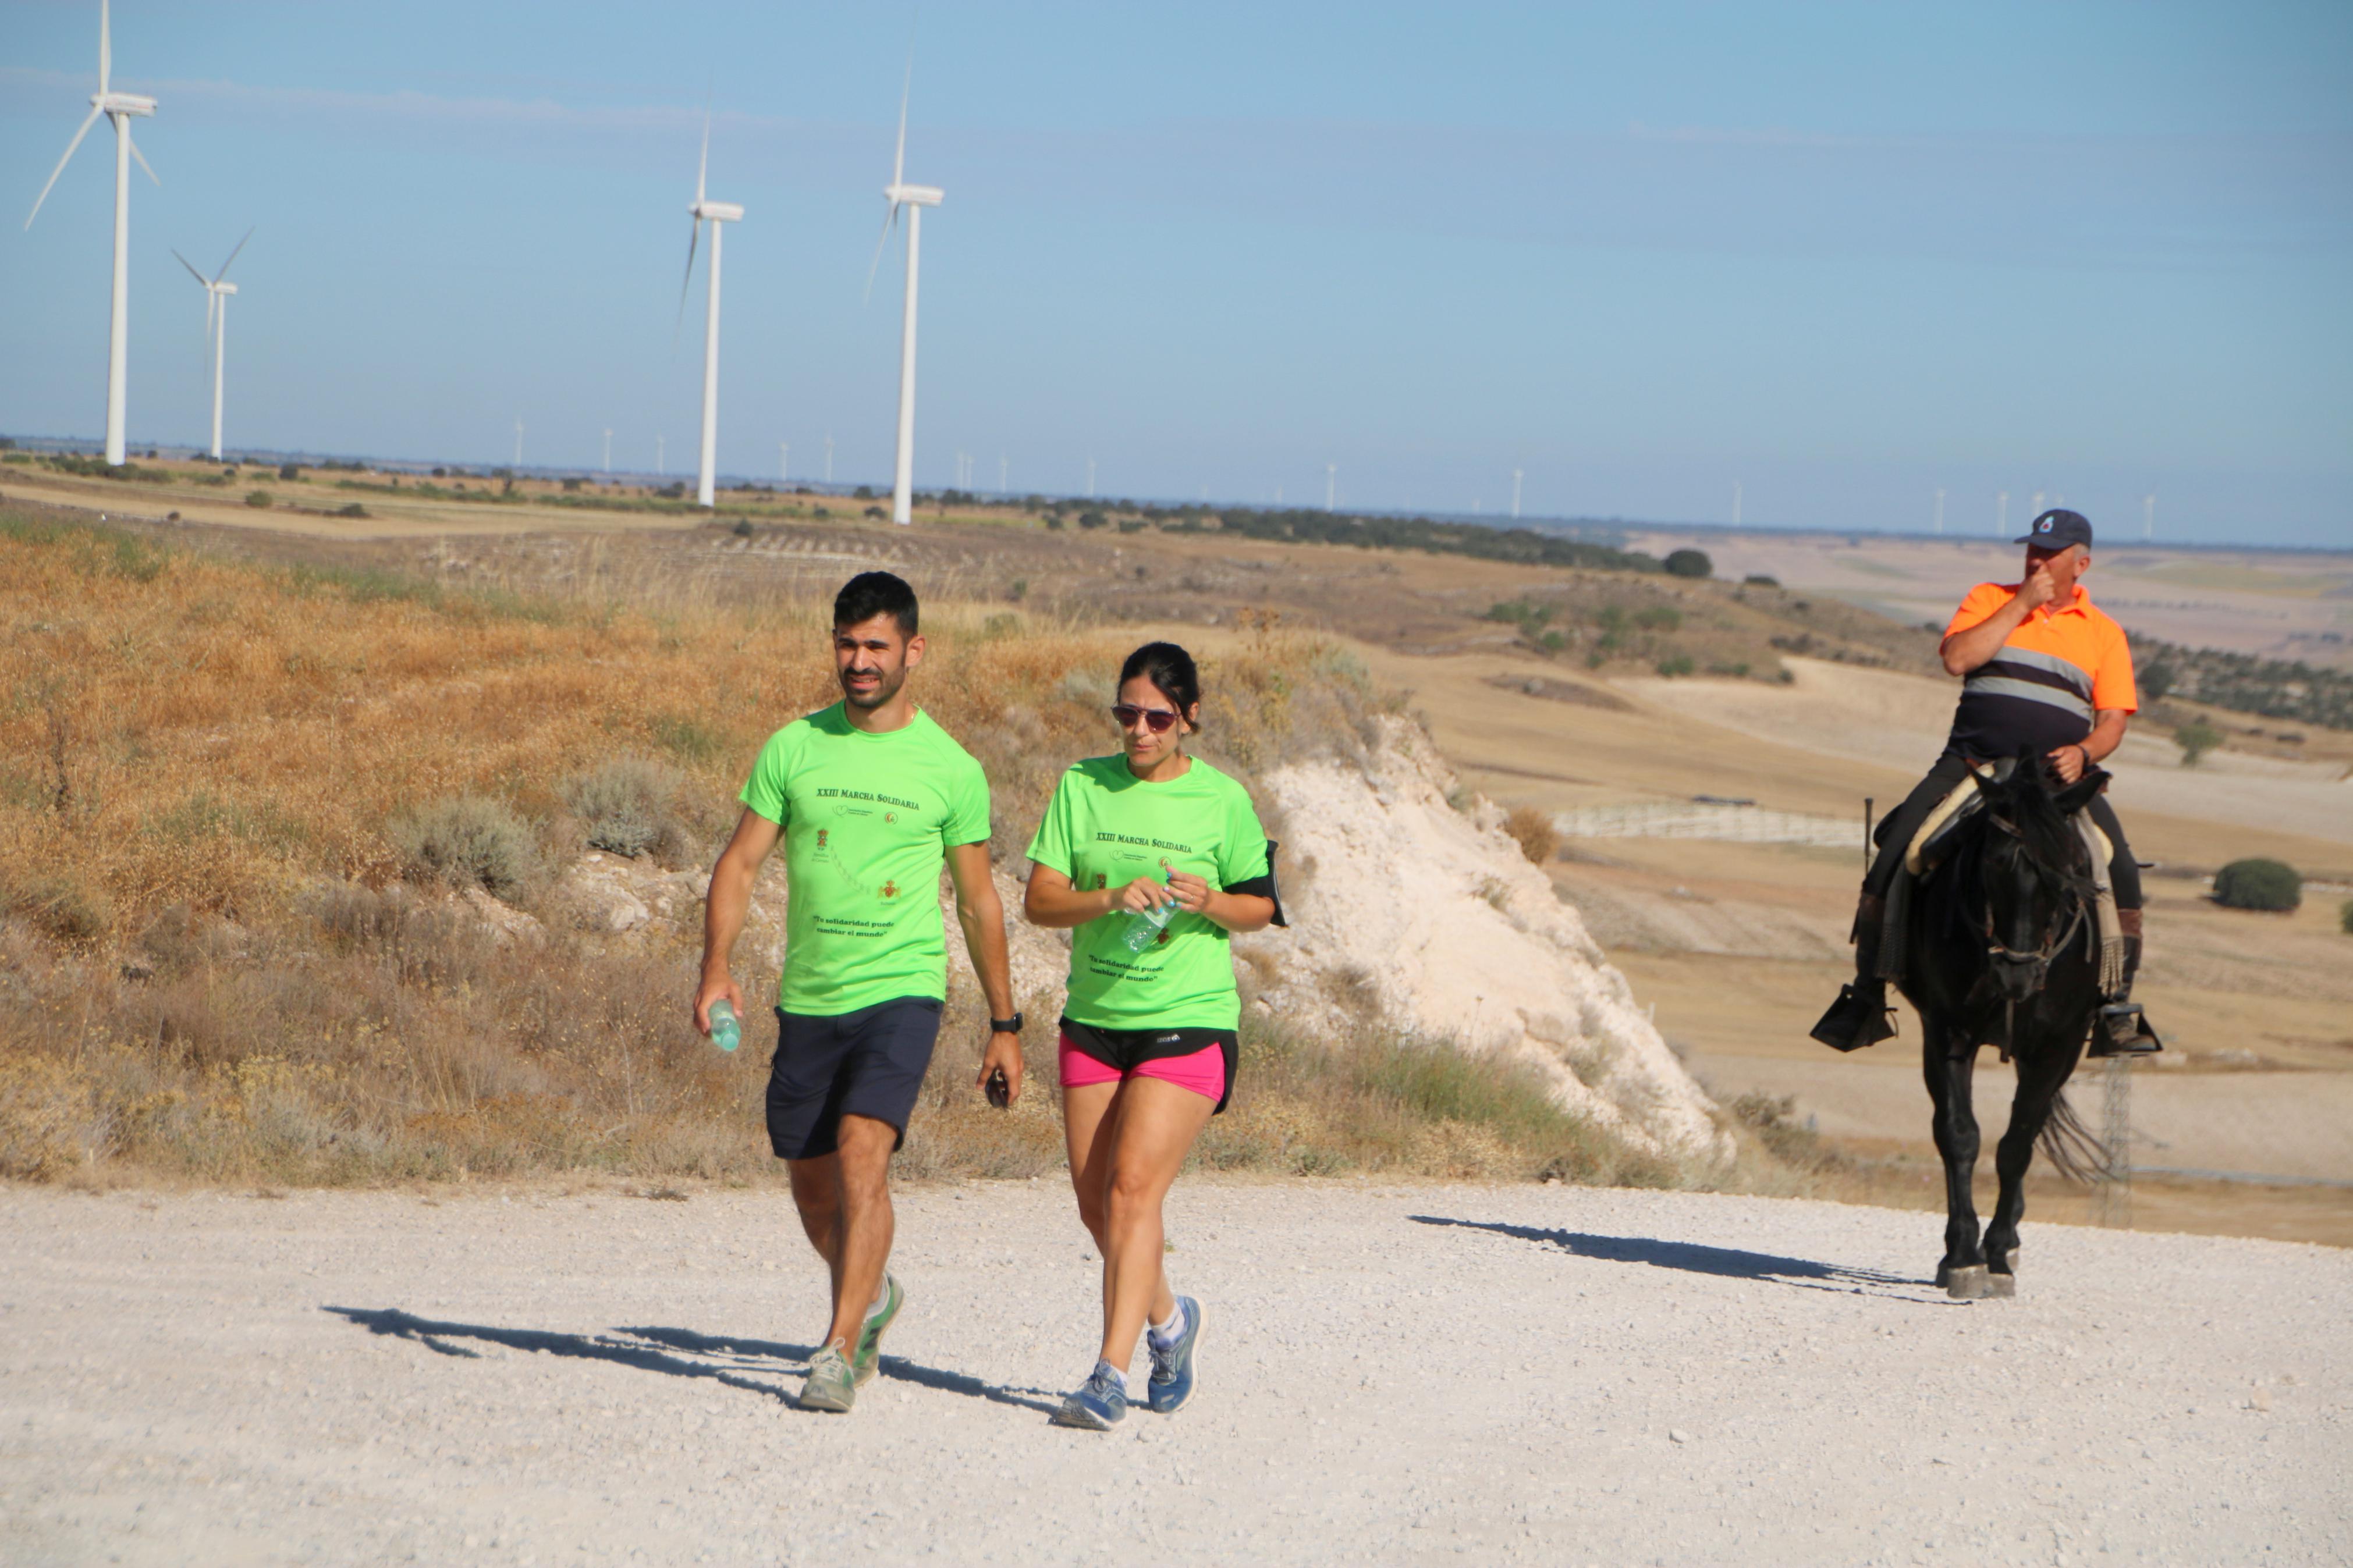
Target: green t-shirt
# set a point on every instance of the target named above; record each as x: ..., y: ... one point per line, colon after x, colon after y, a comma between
x: 868, y: 821
x: 1106, y: 827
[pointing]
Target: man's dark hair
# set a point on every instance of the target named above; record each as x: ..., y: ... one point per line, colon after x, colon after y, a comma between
x: 872, y: 594
x: 1168, y: 667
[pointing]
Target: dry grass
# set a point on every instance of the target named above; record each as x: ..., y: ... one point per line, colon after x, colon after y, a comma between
x: 234, y: 802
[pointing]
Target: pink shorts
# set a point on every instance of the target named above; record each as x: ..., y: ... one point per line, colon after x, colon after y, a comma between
x: 1203, y: 1072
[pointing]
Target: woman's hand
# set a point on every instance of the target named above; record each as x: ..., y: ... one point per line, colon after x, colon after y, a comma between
x: 1141, y: 896
x: 1191, y: 893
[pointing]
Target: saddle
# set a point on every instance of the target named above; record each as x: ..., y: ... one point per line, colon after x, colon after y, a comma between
x: 1940, y: 830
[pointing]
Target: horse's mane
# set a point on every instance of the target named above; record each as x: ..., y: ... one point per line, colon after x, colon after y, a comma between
x: 2026, y: 800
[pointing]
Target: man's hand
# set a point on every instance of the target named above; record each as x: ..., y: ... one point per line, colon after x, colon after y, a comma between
x: 1142, y: 895
x: 2069, y: 763
x: 1004, y: 1051
x: 719, y: 987
x: 2039, y: 589
x: 1191, y: 893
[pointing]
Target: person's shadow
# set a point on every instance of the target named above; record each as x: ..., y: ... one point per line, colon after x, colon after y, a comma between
x: 1693, y: 1257
x: 737, y: 1363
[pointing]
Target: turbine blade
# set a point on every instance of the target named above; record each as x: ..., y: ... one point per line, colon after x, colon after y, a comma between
x: 899, y: 159
x: 137, y: 154
x: 687, y: 282
x: 703, y: 168
x: 192, y: 270
x: 105, y: 50
x: 232, y: 256
x: 60, y: 169
x: 889, y: 223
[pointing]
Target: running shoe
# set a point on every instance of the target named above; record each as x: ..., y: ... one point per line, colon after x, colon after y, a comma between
x: 831, y: 1384
x: 1100, y: 1404
x: 1172, y: 1368
x: 867, y: 1358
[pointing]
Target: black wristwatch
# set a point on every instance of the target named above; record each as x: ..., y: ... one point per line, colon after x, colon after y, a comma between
x: 1006, y: 1026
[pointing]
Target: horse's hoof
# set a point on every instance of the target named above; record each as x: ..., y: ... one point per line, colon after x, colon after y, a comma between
x: 2000, y: 1284
x: 1964, y: 1284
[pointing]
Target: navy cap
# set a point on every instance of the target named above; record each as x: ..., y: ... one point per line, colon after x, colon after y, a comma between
x: 2058, y: 528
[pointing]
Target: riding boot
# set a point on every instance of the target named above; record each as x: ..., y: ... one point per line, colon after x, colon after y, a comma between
x: 2123, y: 1030
x: 1861, y: 1016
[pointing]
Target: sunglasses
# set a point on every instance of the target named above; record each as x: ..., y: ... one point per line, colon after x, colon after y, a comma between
x: 1127, y: 713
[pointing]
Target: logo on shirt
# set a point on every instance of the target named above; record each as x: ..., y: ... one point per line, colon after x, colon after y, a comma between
x: 820, y: 837
x: 889, y: 816
x: 890, y: 890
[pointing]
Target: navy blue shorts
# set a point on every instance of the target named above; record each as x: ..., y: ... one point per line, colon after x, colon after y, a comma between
x: 867, y: 1063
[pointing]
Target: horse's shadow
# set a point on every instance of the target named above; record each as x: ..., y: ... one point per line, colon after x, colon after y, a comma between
x: 1723, y: 1262
x: 676, y: 1352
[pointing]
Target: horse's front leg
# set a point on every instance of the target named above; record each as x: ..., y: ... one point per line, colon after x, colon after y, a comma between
x: 1949, y: 1067
x: 2041, y: 1074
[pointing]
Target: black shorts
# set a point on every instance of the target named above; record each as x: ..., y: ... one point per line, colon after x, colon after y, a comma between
x: 867, y: 1063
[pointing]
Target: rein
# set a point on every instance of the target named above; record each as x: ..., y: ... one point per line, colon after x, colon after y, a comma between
x: 2052, y: 944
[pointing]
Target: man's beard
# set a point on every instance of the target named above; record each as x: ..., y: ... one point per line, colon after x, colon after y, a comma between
x: 886, y: 687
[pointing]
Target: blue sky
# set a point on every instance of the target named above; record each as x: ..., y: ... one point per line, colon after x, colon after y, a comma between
x: 1840, y: 255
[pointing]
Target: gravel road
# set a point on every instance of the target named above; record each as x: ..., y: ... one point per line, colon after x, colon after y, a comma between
x: 1408, y: 1373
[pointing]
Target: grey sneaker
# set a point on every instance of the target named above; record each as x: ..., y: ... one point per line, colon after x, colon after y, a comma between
x: 1100, y: 1404
x: 867, y: 1358
x: 1172, y: 1369
x: 831, y: 1384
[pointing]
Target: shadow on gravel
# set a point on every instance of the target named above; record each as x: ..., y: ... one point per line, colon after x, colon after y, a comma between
x: 1723, y: 1262
x: 650, y: 1349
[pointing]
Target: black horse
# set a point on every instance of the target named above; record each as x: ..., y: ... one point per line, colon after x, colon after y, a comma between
x: 2005, y: 951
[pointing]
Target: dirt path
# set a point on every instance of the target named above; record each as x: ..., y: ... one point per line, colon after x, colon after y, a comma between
x: 1416, y: 1375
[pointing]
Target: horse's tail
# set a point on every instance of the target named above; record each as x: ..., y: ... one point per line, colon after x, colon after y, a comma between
x: 2070, y: 1146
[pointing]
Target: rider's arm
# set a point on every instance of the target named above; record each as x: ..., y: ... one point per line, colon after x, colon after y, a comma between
x: 1965, y: 650
x: 722, y: 911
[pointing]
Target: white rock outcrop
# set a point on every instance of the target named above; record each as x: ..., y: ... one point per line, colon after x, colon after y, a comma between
x: 1408, y: 913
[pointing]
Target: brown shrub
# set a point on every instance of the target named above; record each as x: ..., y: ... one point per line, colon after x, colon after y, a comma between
x: 1534, y: 831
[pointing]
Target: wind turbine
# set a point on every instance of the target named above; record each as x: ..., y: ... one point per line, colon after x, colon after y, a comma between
x: 1331, y: 484
x: 715, y: 213
x: 216, y: 295
x: 609, y: 452
x: 784, y: 461
x: 828, y: 457
x: 120, y: 108
x: 1940, y: 512
x: 2000, y: 513
x: 915, y: 198
x: 1516, y: 493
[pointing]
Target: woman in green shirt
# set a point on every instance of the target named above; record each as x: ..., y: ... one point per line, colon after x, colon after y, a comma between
x: 1152, y: 859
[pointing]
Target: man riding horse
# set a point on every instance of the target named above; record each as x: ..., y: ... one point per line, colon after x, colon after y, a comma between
x: 2046, y: 673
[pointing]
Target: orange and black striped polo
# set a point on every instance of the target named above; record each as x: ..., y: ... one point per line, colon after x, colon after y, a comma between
x: 2065, y: 663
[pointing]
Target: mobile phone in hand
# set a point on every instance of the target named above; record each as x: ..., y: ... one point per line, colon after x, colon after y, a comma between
x: 1000, y: 1093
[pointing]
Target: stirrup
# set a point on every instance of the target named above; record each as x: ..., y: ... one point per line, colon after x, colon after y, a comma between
x: 2122, y: 1030
x: 1851, y: 1022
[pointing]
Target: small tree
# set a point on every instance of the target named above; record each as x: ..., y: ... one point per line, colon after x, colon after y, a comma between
x: 2344, y: 917
x: 863, y: 492
x: 2196, y: 739
x: 257, y: 498
x: 2158, y: 679
x: 289, y: 472
x: 1690, y: 563
x: 2258, y: 884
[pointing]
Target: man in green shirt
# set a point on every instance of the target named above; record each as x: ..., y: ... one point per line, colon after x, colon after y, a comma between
x: 870, y: 797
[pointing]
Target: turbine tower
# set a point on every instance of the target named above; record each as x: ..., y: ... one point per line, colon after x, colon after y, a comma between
x: 783, y: 462
x: 1940, y: 512
x: 715, y: 213
x: 2000, y: 513
x: 1331, y: 484
x: 120, y: 108
x: 216, y: 295
x: 609, y: 452
x: 1516, y: 493
x: 915, y: 198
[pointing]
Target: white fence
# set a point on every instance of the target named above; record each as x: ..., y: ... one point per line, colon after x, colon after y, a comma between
x: 1732, y: 824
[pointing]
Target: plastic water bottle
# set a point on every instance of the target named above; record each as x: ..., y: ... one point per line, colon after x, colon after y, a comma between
x: 1146, y: 926
x: 726, y: 1032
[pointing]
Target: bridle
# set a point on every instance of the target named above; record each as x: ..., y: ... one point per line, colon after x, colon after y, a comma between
x: 2053, y: 942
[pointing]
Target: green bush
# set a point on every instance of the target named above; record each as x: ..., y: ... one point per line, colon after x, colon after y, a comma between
x: 1761, y: 580
x: 2196, y: 739
x: 468, y: 841
x: 2258, y: 884
x: 625, y: 808
x: 354, y: 509
x: 1676, y: 663
x: 1689, y: 563
x: 258, y: 497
